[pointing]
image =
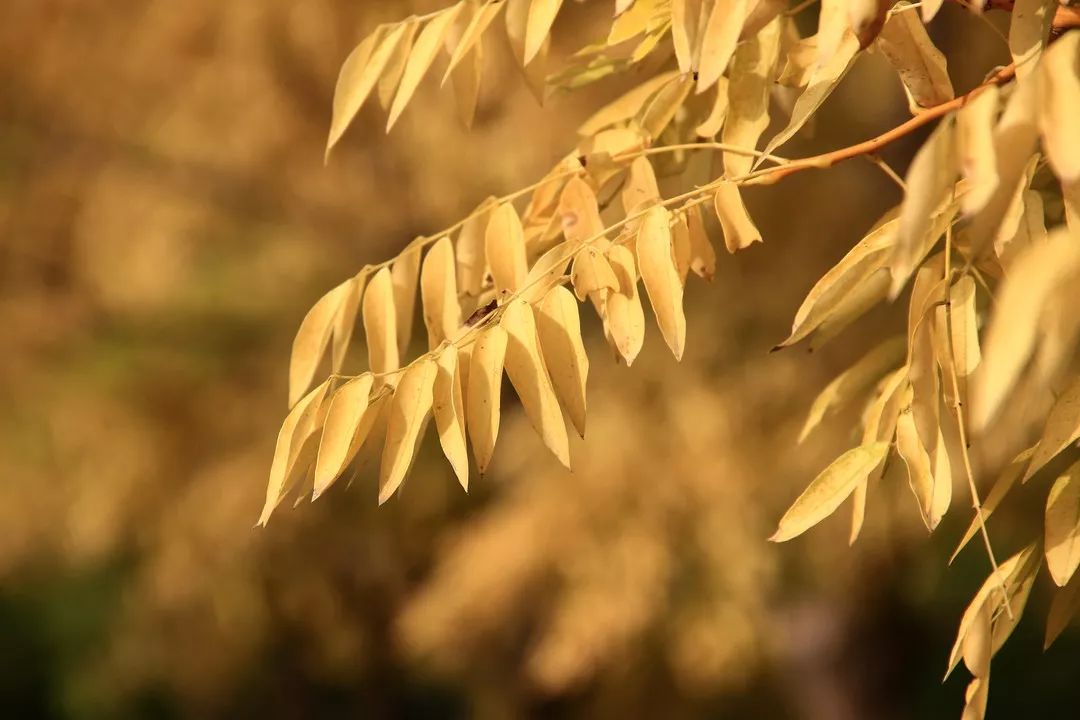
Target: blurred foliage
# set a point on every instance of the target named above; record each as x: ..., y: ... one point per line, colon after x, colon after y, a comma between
x: 165, y: 218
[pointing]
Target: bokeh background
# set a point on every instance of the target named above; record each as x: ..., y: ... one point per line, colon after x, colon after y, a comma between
x: 165, y: 222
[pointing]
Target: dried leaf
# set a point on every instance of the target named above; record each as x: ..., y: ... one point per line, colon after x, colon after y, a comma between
x: 1005, y: 482
x: 410, y: 408
x: 661, y: 278
x: 829, y: 489
x: 438, y: 292
x: 470, y: 252
x: 1029, y: 29
x: 752, y: 70
x: 718, y: 45
x: 313, y: 337
x: 504, y: 243
x: 684, y: 32
x: 358, y: 76
x: 541, y: 17
x: 484, y: 392
x: 380, y: 323
x: 739, y: 229
x: 1062, y: 610
x: 1061, y: 430
x: 921, y: 66
x: 529, y: 376
x: 579, y: 212
x: 348, y: 422
x: 1060, y: 107
x: 624, y: 314
x: 449, y: 411
x: 559, y: 331
x: 420, y: 58
x: 405, y: 272
x: 1063, y: 526
x: 297, y: 443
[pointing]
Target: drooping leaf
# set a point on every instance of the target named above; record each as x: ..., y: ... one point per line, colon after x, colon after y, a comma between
x: 684, y: 32
x: 929, y: 473
x: 483, y: 407
x: 395, y: 66
x: 448, y: 408
x: 297, y: 443
x: 579, y: 212
x: 1062, y: 610
x: 541, y: 17
x: 470, y: 252
x: 752, y: 70
x: 624, y: 314
x: 358, y: 76
x: 591, y: 273
x: 661, y: 278
x: 1005, y: 482
x: 380, y: 323
x: 1063, y: 526
x: 918, y: 62
x: 1061, y: 430
x: 559, y: 331
x: 504, y: 242
x: 719, y: 40
x: 739, y: 229
x: 410, y: 409
x: 348, y: 421
x: 313, y: 337
x: 438, y: 293
x: 420, y: 58
x: 975, y: 138
x: 1029, y: 29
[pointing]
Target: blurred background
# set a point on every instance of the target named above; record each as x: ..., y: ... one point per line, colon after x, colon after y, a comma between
x: 166, y: 221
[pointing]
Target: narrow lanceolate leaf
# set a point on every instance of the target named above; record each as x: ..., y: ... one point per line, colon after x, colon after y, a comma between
x: 966, y: 353
x: 684, y: 32
x: 921, y: 66
x: 752, y: 70
x: 314, y: 335
x: 420, y: 58
x: 823, y: 80
x: 739, y: 230
x: 405, y: 274
x: 380, y: 323
x: 449, y: 410
x: 702, y: 254
x: 720, y: 37
x: 661, y: 278
x: 483, y: 407
x: 1062, y: 428
x: 624, y: 315
x: 504, y: 244
x: 929, y: 473
x: 297, y: 443
x: 853, y: 381
x: 626, y: 106
x: 345, y: 323
x: 1062, y: 610
x: 929, y: 182
x: 1005, y: 482
x: 1063, y: 526
x: 1011, y: 338
x: 409, y: 411
x: 829, y: 489
x: 358, y: 77
x: 975, y: 137
x: 348, y: 421
x: 529, y: 376
x: 541, y: 17
x: 591, y: 273
x: 1060, y: 107
x: 395, y: 66
x: 579, y: 212
x: 559, y: 331
x: 1029, y: 29
x: 465, y: 77
x: 470, y: 251
x: 438, y: 291
x: 680, y: 246
x: 472, y: 34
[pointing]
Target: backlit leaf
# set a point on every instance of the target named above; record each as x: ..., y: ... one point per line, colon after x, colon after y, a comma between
x: 541, y: 17
x: 438, y: 292
x: 484, y: 392
x: 405, y: 273
x: 739, y: 230
x: 624, y: 314
x: 504, y: 242
x: 410, y: 408
x: 661, y: 278
x: 1005, y: 482
x: 719, y: 40
x: 420, y: 58
x: 297, y: 443
x: 380, y: 323
x: 1061, y: 430
x: 752, y: 70
x: 559, y: 330
x: 348, y: 421
x: 921, y: 66
x: 1029, y: 29
x: 313, y: 337
x: 1063, y: 526
x: 449, y: 410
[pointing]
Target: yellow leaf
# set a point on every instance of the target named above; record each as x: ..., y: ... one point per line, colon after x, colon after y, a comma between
x: 965, y: 326
x: 541, y: 17
x: 1060, y: 107
x: 680, y: 246
x: 879, y: 425
x: 640, y: 190
x: 345, y: 323
x: 1063, y: 526
x: 470, y: 252
x: 702, y: 254
x: 624, y: 314
x: 420, y: 58
x: 929, y: 473
x: 975, y: 137
x: 579, y: 212
x: 465, y: 78
x: 739, y: 230
x: 661, y: 278
x: 1012, y: 335
x: 633, y: 21
x: 358, y: 76
x: 559, y: 330
x: 833, y: 29
x: 591, y: 273
x: 1029, y: 29
x: 504, y: 243
x: 525, y: 367
x: 976, y: 645
x: 992, y: 501
x: 752, y: 70
x: 313, y: 337
x: 480, y: 21
x: 921, y: 66
x: 829, y: 489
x: 405, y: 273
x: 484, y: 390
x: 348, y: 422
x: 549, y: 270
x: 449, y: 411
x: 711, y: 126
x: 853, y: 381
x: 1062, y: 610
x: 410, y: 408
x: 627, y: 105
x: 438, y: 292
x: 395, y: 66
x: 1061, y: 430
x: 718, y: 45
x: 297, y: 443
x: 380, y: 323
x: 684, y: 32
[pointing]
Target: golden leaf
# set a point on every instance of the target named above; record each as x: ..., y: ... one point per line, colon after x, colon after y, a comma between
x: 395, y: 66
x: 345, y: 323
x: 1062, y: 610
x: 1063, y: 526
x: 661, y: 278
x: 348, y: 422
x: 918, y: 62
x: 579, y: 212
x: 483, y: 393
x: 410, y: 408
x: 504, y: 243
x: 559, y: 331
x: 680, y: 246
x: 752, y: 70
x: 929, y: 473
x: 358, y: 76
x: 541, y: 17
x: 684, y: 32
x: 702, y: 254
x: 529, y: 376
x: 1029, y: 29
x: 829, y: 489
x: 438, y: 293
x: 1060, y: 107
x: 420, y: 58
x: 711, y: 126
x: 624, y: 314
x: 465, y: 78
x: 640, y: 190
x: 449, y: 410
x: 720, y: 37
x: 479, y: 22
x: 975, y: 138
x: 1061, y: 430
x: 626, y: 106
x: 665, y: 105
x: 404, y: 274
x: 470, y: 252
x: 297, y: 443
x: 739, y: 230
x: 1005, y: 482
x: 591, y: 273
x: 313, y: 337
x: 380, y: 323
